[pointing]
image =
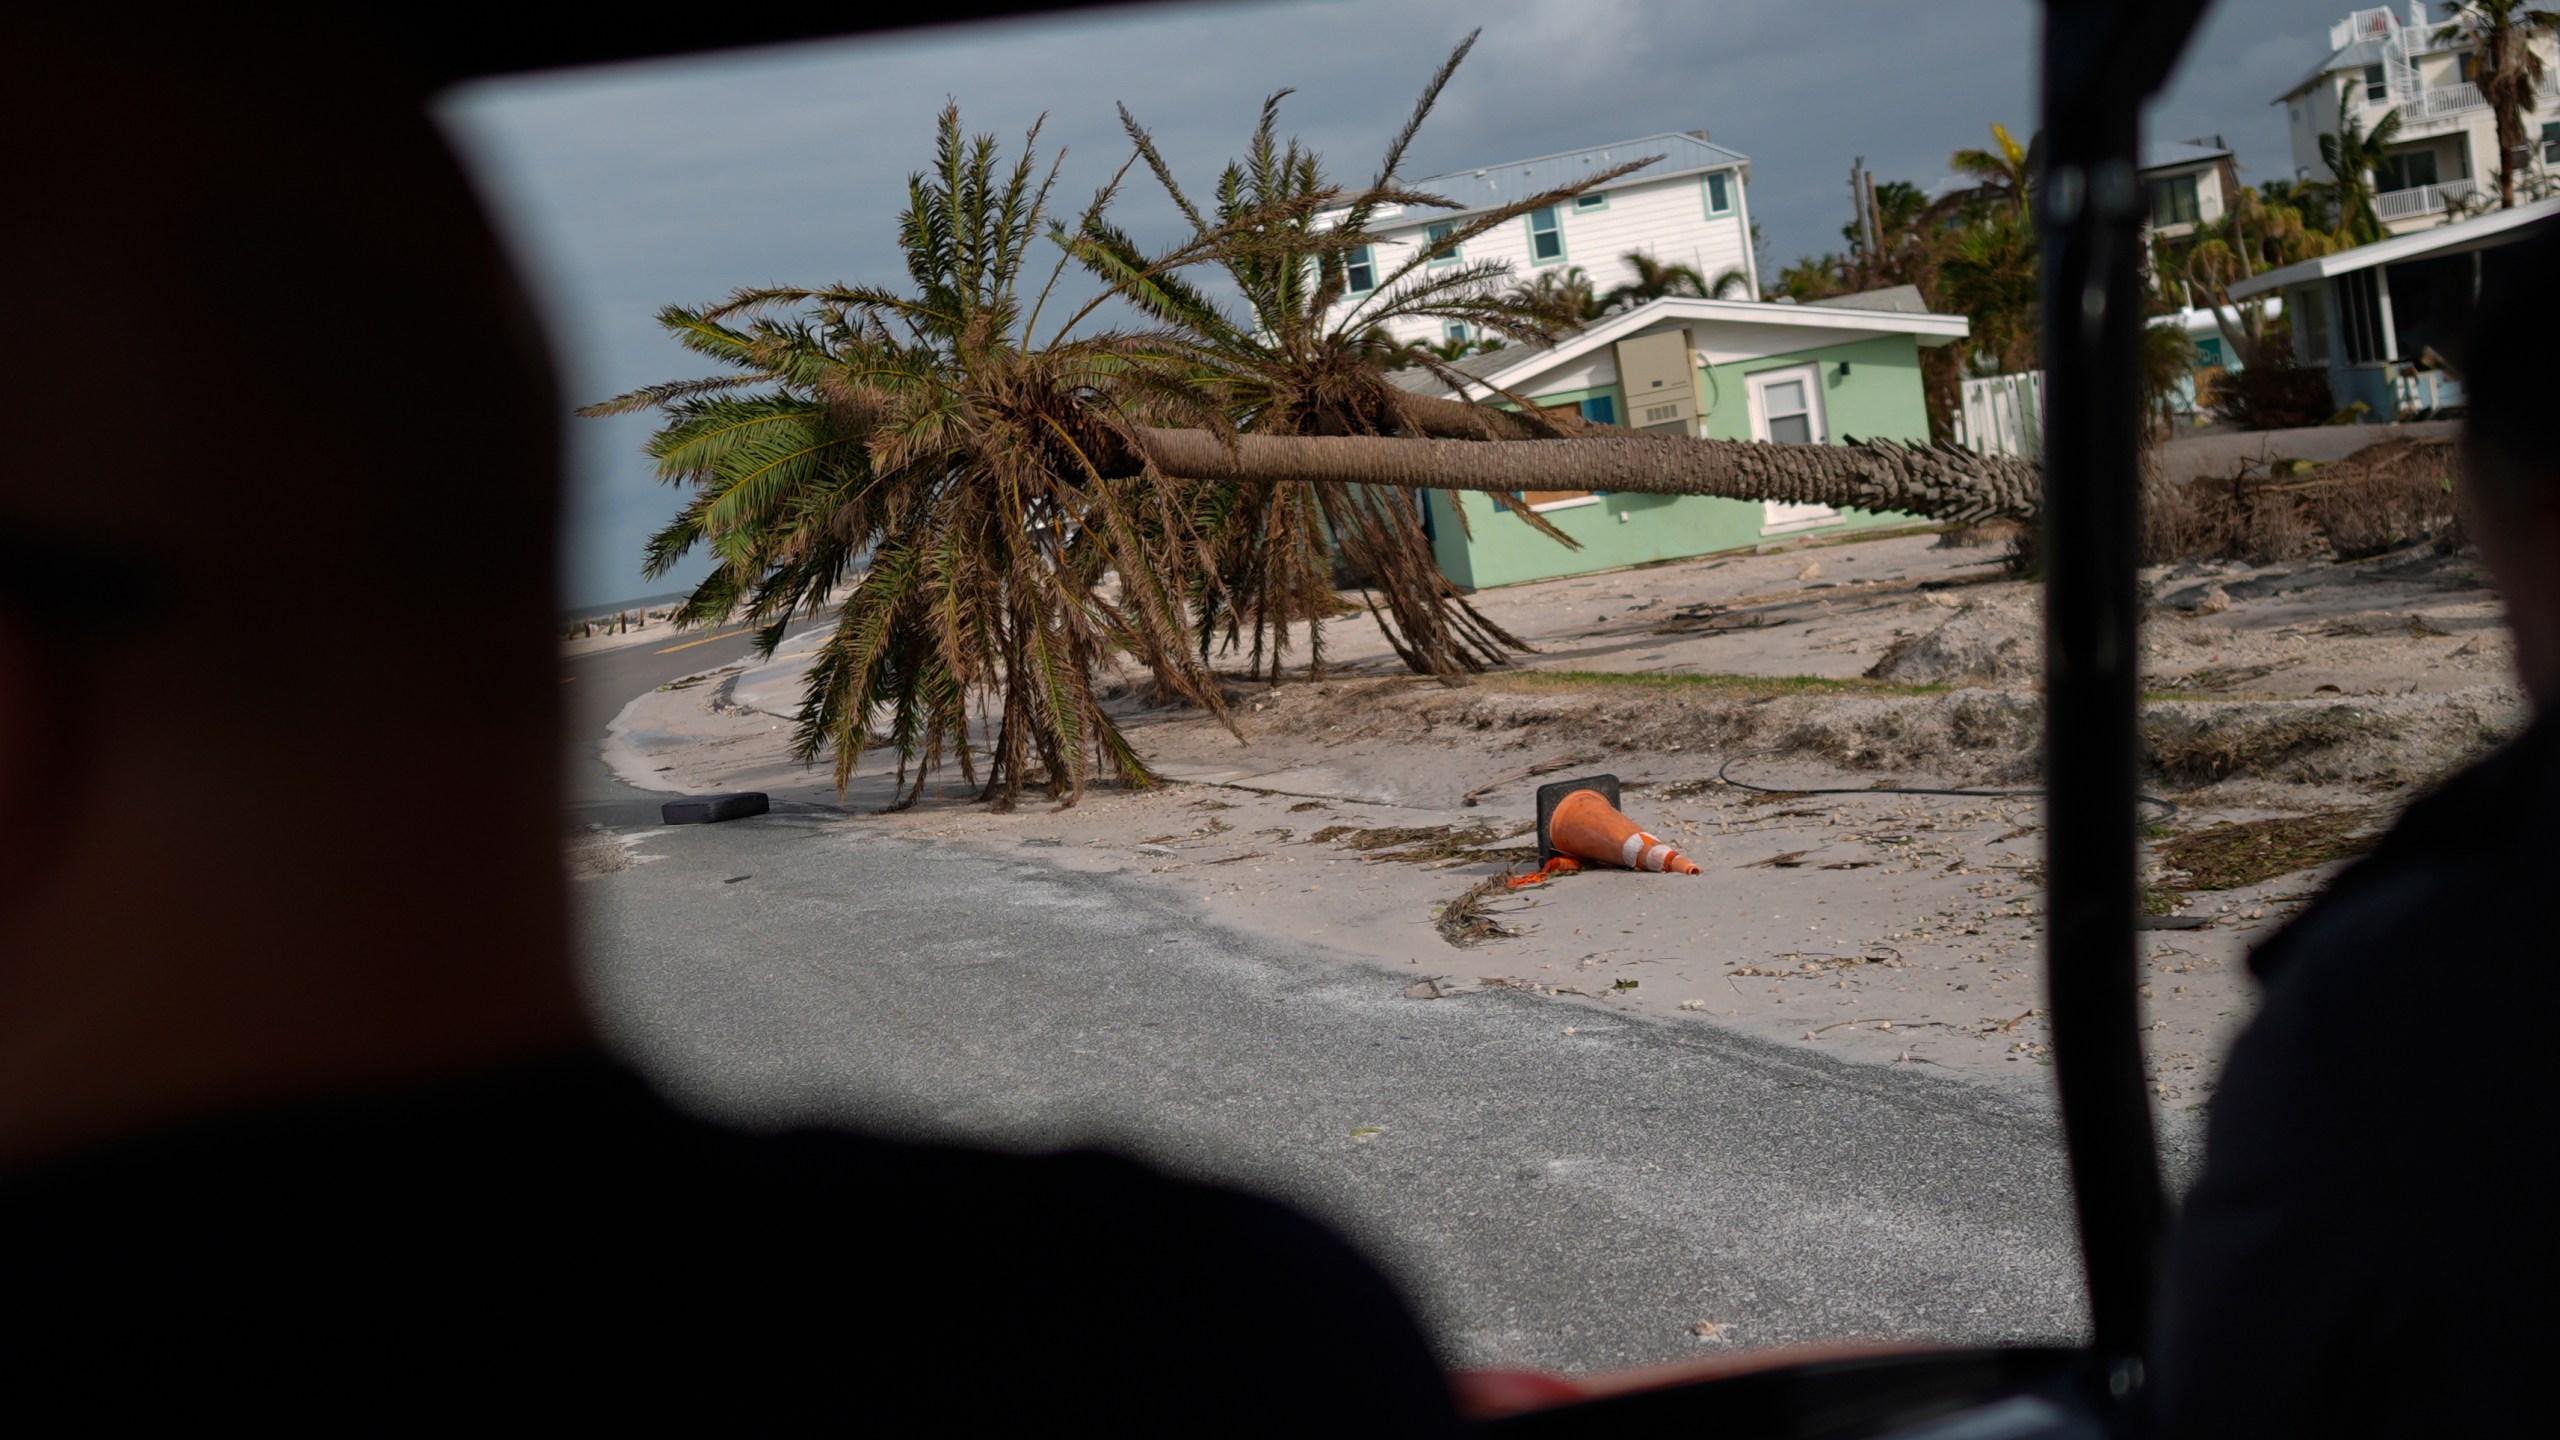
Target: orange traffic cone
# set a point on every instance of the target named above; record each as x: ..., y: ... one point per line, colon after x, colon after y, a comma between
x: 1587, y: 829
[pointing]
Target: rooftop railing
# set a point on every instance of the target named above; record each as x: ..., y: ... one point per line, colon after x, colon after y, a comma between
x: 2444, y: 100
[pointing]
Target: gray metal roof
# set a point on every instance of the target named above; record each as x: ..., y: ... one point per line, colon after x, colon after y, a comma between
x: 1490, y: 185
x: 1422, y: 382
x: 2354, y: 57
x: 2169, y: 154
x: 1899, y: 299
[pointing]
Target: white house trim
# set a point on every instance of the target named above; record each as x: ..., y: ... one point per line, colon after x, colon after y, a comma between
x: 2460, y: 235
x: 1823, y: 325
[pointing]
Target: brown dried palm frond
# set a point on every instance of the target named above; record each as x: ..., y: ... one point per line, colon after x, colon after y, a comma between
x: 973, y: 485
x: 1304, y: 356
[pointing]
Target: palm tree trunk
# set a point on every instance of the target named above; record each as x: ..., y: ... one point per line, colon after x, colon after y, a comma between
x: 2510, y: 128
x: 1940, y: 482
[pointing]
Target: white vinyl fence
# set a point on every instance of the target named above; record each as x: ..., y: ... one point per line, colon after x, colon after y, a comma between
x: 2003, y: 415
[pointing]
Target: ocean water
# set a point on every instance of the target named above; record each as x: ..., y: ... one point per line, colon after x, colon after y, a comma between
x: 606, y: 609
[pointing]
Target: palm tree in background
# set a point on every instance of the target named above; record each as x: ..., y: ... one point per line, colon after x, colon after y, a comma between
x: 1564, y: 296
x: 1302, y: 359
x: 1813, y: 277
x: 2353, y: 155
x: 2004, y: 175
x: 1655, y: 280
x: 2254, y: 234
x: 2505, y: 67
x: 929, y: 440
x: 1450, y: 350
x: 1987, y: 271
x: 2307, y: 199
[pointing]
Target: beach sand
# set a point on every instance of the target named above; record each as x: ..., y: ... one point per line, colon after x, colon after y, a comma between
x: 1892, y: 929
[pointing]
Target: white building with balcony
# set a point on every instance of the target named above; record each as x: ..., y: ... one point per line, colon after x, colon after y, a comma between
x: 2447, y: 152
x: 1687, y: 208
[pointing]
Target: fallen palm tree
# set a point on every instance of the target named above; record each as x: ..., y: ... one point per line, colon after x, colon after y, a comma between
x: 1938, y: 482
x: 1024, y: 506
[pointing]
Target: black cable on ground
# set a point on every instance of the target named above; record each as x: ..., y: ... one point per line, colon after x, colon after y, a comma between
x: 2168, y: 808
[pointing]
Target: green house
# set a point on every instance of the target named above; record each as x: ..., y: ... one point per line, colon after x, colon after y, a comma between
x: 1786, y: 374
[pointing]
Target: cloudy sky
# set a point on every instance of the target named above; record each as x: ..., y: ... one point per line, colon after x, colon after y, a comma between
x: 630, y: 187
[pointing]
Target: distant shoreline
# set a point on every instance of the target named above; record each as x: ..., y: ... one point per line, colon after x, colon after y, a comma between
x: 607, y: 609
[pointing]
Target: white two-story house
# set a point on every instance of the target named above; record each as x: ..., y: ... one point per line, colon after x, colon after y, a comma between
x: 2383, y: 60
x: 1687, y: 208
x: 2188, y: 183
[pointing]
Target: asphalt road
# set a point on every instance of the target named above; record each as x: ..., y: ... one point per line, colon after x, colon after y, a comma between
x: 1574, y: 1198
x: 595, y: 686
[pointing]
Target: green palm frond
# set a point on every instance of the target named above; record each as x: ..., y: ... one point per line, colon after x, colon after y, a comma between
x: 911, y: 448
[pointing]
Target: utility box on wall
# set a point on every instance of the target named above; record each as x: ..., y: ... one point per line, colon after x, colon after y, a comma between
x: 1654, y: 375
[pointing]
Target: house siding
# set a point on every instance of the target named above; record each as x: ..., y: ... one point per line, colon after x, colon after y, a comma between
x: 1666, y: 219
x: 1881, y: 397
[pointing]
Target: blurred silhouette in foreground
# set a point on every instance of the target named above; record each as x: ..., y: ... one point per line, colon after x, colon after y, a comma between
x: 2370, y: 1249
x: 299, y: 1112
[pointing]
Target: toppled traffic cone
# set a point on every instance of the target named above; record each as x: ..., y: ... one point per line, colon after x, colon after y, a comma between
x: 1579, y: 824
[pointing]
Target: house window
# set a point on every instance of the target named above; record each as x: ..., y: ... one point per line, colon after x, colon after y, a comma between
x: 1546, y: 236
x: 2173, y: 200
x: 1586, y: 203
x: 1601, y: 410
x: 2376, y: 89
x: 1719, y: 192
x: 2551, y: 143
x: 2407, y: 170
x: 1455, y: 331
x: 1443, y: 254
x: 1787, y: 408
x: 2210, y: 352
x: 2466, y: 67
x: 1360, y: 271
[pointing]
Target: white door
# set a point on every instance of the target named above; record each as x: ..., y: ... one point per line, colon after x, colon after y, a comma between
x: 1786, y: 409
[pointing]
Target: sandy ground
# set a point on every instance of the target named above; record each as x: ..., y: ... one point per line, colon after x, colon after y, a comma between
x: 1892, y: 928
x: 2216, y: 451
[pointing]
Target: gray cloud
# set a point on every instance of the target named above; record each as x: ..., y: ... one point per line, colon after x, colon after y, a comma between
x: 626, y: 189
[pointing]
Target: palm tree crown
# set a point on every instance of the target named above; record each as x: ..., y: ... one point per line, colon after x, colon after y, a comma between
x: 2505, y: 67
x: 2004, y: 175
x: 2352, y: 155
x: 1306, y: 357
x: 925, y: 440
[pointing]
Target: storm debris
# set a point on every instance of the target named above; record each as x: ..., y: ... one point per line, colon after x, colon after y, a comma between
x: 2233, y: 854
x: 1471, y: 920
